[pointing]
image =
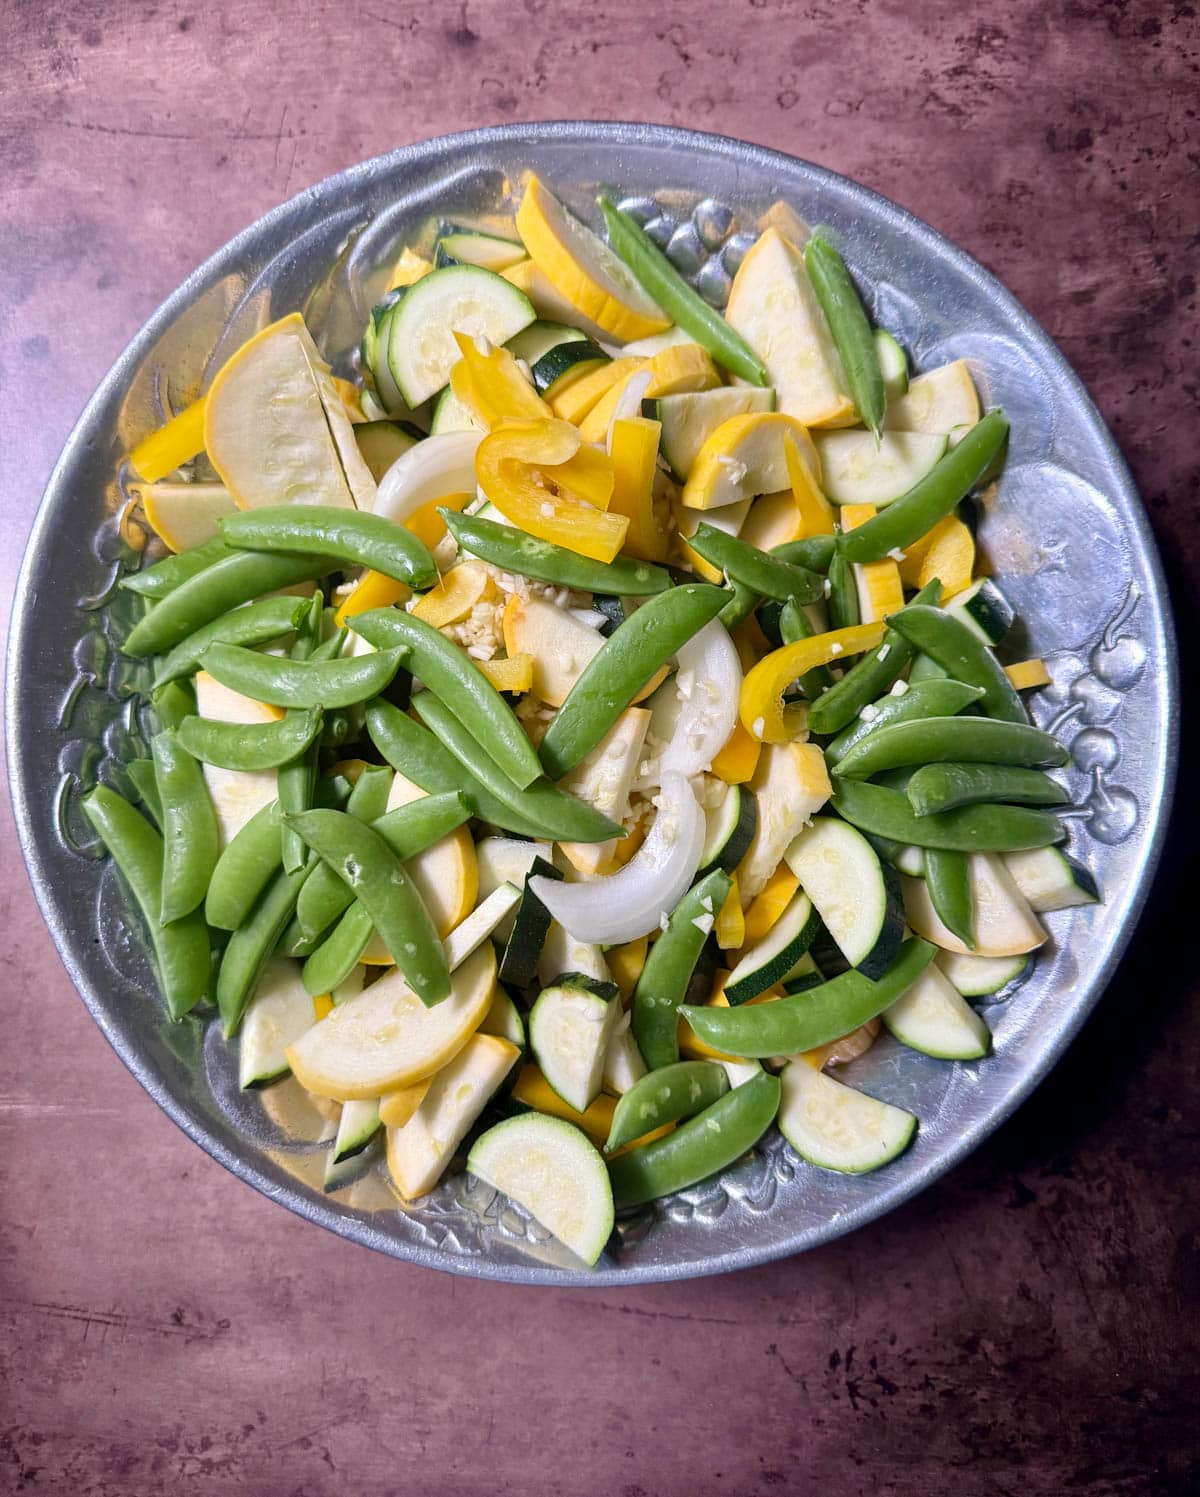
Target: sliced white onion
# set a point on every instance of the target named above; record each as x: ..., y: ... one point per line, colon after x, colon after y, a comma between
x: 629, y: 402
x: 439, y: 465
x: 631, y: 902
x: 708, y: 684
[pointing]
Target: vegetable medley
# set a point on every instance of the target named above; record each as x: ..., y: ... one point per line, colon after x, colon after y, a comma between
x: 580, y: 734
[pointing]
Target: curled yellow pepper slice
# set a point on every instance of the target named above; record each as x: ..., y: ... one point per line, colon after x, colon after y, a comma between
x: 523, y: 469
x: 762, y: 708
x: 491, y: 386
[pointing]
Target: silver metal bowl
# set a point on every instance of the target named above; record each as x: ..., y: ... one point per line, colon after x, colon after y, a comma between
x: 1066, y: 534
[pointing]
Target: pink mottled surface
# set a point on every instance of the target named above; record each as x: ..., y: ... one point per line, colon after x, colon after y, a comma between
x: 1029, y: 1325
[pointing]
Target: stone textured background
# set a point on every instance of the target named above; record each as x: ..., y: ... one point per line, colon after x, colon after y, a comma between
x: 1029, y: 1325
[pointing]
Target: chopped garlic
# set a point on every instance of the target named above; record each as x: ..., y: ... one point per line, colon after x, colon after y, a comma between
x: 835, y: 649
x: 883, y: 652
x: 703, y: 923
x: 757, y: 727
x: 900, y: 688
x: 663, y: 920
x: 869, y: 713
x: 896, y: 554
x: 827, y: 587
x: 546, y: 511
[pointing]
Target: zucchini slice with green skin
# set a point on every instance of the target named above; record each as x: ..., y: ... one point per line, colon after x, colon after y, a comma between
x: 729, y: 830
x: 563, y: 364
x: 450, y: 414
x: 1003, y: 924
x: 357, y: 1126
x: 473, y: 247
x: 472, y: 932
x: 777, y: 954
x: 504, y: 1020
x: 985, y: 610
x: 506, y: 860
x: 570, y: 1026
x: 553, y: 1170
x: 421, y: 350
x: 980, y: 976
x: 893, y: 364
x: 623, y: 1063
x: 530, y: 928
x: 664, y: 1096
x: 382, y: 442
x: 858, y: 470
x: 837, y: 1128
x: 1050, y: 880
x: 688, y: 420
x: 804, y: 975
x: 540, y: 337
x: 933, y: 1018
x: 856, y: 895
x: 278, y: 1014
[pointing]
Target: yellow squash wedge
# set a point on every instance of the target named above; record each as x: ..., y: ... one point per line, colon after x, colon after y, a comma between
x: 454, y: 596
x: 184, y: 515
x: 746, y: 456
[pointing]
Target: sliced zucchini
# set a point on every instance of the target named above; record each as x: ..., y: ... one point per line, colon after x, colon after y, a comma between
x: 563, y: 953
x: 1050, y: 880
x: 943, y: 401
x: 535, y: 341
x: 613, y: 609
x: 980, y: 976
x: 858, y: 470
x: 776, y: 955
x: 556, y: 371
x: 382, y: 442
x: 278, y: 1014
x: 357, y: 1126
x: 472, y: 247
x: 623, y: 1063
x: 933, y: 1018
x: 531, y: 925
x: 646, y: 348
x: 893, y: 364
x: 570, y: 1027
x: 471, y: 933
x: 339, y: 1173
x: 856, y: 895
x: 551, y: 1169
x: 729, y: 830
x: 689, y: 420
x: 421, y: 349
x: 833, y: 1126
x: 1004, y: 924
x: 804, y: 975
x: 985, y: 611
x: 450, y: 414
x: 502, y: 860
x: 504, y: 1019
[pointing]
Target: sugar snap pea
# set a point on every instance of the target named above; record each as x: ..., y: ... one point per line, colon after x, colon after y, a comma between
x: 249, y: 746
x: 338, y: 954
x: 701, y: 1147
x: 802, y: 1021
x: 253, y: 944
x: 141, y: 776
x: 166, y: 575
x: 664, y: 1096
x: 932, y: 698
x: 619, y: 670
x: 812, y: 551
x: 181, y: 949
x: 769, y: 576
x: 255, y: 624
x: 664, y: 980
x: 942, y: 787
x: 947, y: 877
x: 302, y: 683
x: 887, y: 813
x: 682, y: 305
x: 349, y: 535
x: 191, y: 839
x: 297, y: 779
x: 844, y: 611
x: 742, y: 603
x: 250, y: 860
x: 378, y: 879
x: 933, y: 497
x: 173, y: 702
x: 935, y: 740
x: 962, y: 654
x: 851, y: 330
x: 505, y: 546
x: 453, y: 676
x: 925, y: 669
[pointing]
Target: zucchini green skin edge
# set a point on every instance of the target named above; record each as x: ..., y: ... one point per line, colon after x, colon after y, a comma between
x: 663, y: 984
x: 704, y: 1146
x: 350, y: 535
x: 935, y: 698
x: 887, y: 813
x: 515, y: 551
x: 949, y: 885
x: 665, y: 1096
x: 945, y: 786
x: 936, y: 740
x: 805, y: 1020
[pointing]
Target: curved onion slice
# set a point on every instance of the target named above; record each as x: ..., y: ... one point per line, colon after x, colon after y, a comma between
x: 708, y: 685
x: 438, y: 465
x: 629, y: 402
x: 630, y: 903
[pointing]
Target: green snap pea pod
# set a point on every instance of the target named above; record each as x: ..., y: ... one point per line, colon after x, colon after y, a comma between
x: 931, y: 698
x: 232, y: 580
x: 802, y: 1021
x: 703, y: 1146
x: 141, y: 775
x: 663, y: 984
x: 255, y: 624
x: 413, y: 750
x: 302, y: 683
x: 949, y: 885
x: 844, y: 611
x: 619, y: 670
x: 795, y: 624
x: 378, y: 879
x: 337, y: 955
x: 455, y: 679
x: 868, y: 678
x: 249, y: 746
x: 181, y: 949
x: 293, y: 941
x: 173, y: 702
x: 514, y: 551
x: 887, y: 813
x: 931, y: 499
x: 812, y: 551
x: 742, y: 603
x: 249, y: 862
x: 942, y: 787
x: 253, y: 944
x: 664, y: 1096
x: 925, y: 669
x: 936, y: 740
x: 769, y: 576
x: 847, y: 319
x: 556, y: 813
x: 297, y: 780
x: 682, y: 305
x: 963, y: 655
x: 191, y: 838
x: 166, y: 575
x: 349, y: 535
x: 332, y: 792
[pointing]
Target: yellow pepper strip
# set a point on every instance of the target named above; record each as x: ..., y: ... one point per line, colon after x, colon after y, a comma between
x: 771, y: 902
x: 398, y: 1107
x: 626, y: 963
x: 762, y: 707
x: 589, y: 475
x: 165, y: 449
x: 880, y: 590
x: 491, y: 386
x: 947, y: 552
x: 408, y: 270
x: 634, y: 450
x: 428, y: 525
x: 628, y: 845
x: 1028, y: 673
x: 516, y: 465
x: 750, y: 643
x: 322, y: 1005
x: 455, y: 595
x: 573, y: 401
x: 374, y: 590
x: 731, y: 922
x: 738, y: 759
x: 513, y: 673
x: 816, y: 512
